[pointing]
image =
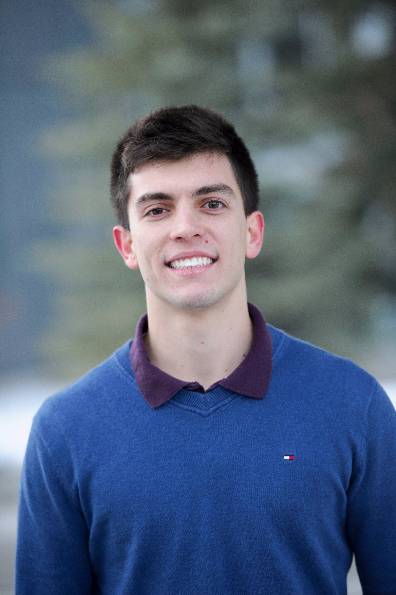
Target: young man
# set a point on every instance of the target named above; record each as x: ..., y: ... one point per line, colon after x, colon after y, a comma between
x: 214, y: 454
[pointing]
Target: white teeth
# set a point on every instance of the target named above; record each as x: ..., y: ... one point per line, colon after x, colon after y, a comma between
x: 196, y: 261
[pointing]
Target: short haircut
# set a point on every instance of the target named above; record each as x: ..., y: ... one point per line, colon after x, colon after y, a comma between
x: 173, y: 133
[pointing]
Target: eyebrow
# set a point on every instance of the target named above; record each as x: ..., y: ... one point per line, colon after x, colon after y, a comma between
x: 202, y: 191
x: 152, y: 196
x: 214, y: 189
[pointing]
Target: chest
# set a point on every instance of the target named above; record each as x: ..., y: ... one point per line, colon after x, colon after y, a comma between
x: 182, y: 468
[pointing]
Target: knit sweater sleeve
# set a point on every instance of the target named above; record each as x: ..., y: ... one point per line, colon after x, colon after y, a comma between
x: 52, y: 547
x: 371, y: 517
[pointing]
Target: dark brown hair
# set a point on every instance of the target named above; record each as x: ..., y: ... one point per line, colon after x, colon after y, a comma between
x: 173, y: 133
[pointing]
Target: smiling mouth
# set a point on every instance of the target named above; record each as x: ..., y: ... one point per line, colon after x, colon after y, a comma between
x: 196, y: 261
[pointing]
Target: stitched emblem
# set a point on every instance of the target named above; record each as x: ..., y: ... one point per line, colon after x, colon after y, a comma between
x: 289, y: 457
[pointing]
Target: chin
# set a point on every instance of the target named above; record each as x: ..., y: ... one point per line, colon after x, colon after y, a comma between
x: 195, y: 302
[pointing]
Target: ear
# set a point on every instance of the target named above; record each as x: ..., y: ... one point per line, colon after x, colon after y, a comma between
x: 123, y: 242
x: 254, y: 234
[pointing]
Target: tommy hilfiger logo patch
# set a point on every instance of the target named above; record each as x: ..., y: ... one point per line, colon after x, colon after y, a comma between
x: 289, y: 457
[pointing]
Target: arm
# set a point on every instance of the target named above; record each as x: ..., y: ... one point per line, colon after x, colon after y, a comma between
x: 372, y: 500
x: 52, y: 546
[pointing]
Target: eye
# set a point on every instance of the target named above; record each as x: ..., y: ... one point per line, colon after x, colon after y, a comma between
x: 214, y: 205
x: 155, y: 212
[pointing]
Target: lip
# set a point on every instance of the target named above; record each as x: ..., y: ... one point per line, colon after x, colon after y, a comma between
x: 191, y: 272
x: 191, y: 254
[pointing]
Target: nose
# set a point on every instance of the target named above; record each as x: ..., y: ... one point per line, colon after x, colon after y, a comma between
x: 186, y: 224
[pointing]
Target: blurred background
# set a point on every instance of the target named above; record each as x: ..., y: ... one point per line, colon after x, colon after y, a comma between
x: 310, y: 86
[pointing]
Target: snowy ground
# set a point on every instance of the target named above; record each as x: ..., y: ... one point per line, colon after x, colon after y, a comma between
x: 18, y: 403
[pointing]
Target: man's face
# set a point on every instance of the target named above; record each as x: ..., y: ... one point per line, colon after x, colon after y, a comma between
x: 189, y: 235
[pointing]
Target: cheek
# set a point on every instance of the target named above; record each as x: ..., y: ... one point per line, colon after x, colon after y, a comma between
x: 145, y: 256
x: 240, y: 242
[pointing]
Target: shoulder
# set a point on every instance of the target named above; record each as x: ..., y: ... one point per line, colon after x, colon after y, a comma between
x: 308, y: 358
x: 91, y: 395
x: 323, y: 378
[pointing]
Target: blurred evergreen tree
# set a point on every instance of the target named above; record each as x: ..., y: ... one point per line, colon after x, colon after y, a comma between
x: 311, y: 88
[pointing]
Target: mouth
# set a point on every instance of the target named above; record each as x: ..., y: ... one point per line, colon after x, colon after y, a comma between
x: 190, y: 263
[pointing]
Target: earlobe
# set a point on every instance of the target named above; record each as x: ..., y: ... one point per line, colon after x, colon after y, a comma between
x: 123, y: 242
x: 255, y: 234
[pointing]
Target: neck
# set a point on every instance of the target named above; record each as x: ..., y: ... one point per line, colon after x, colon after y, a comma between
x: 202, y: 345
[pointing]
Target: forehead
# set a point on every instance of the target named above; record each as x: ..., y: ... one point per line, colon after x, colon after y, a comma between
x: 183, y: 176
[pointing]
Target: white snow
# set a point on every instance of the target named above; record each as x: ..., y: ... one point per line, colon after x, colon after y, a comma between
x: 19, y: 401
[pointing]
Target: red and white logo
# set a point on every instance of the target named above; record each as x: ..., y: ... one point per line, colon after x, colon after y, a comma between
x: 289, y: 457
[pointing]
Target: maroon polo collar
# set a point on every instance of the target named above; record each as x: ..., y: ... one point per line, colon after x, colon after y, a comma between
x: 249, y: 379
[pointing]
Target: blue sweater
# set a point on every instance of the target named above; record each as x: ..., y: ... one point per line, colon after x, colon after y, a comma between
x: 212, y: 493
